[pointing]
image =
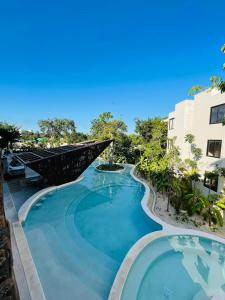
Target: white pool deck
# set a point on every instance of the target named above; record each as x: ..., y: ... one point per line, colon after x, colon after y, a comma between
x: 28, y: 282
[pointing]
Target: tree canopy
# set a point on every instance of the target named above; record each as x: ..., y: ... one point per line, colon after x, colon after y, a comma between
x: 9, y: 133
x: 106, y: 127
x: 155, y: 128
x: 58, y: 131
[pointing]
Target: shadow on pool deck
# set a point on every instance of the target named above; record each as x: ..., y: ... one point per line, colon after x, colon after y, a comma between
x: 21, y: 191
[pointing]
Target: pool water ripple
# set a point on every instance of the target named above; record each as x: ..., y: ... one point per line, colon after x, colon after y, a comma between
x: 80, y: 234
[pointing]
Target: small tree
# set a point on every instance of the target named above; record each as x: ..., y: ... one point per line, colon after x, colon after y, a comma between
x: 196, y: 201
x: 197, y: 153
x: 195, y: 89
x: 58, y: 131
x: 212, y: 212
x: 189, y: 138
x: 9, y: 134
x: 192, y: 173
x: 215, y: 81
x: 106, y: 127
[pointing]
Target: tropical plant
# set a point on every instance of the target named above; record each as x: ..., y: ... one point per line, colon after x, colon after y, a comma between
x: 212, y: 212
x: 58, y: 131
x: 106, y: 127
x: 195, y: 89
x: 152, y: 129
x: 221, y: 202
x: 196, y: 201
x: 9, y: 134
x: 215, y: 81
x: 189, y: 138
x: 197, y: 153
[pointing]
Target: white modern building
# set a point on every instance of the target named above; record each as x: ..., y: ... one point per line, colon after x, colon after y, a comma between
x: 203, y: 118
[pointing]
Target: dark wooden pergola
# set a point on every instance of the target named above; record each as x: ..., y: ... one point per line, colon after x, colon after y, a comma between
x: 63, y: 164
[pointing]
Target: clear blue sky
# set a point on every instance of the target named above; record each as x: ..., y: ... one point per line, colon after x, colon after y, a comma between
x: 76, y: 59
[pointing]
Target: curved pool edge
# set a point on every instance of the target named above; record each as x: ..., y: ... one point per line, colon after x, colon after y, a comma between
x: 27, y: 205
x: 32, y: 278
x: 145, y: 200
x: 136, y: 249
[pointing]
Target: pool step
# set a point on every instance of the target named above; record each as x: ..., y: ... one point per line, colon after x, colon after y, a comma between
x: 79, y: 263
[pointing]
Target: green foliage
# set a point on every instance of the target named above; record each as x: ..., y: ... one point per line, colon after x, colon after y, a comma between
x: 80, y: 137
x: 197, y: 153
x: 106, y: 127
x: 221, y: 171
x: 152, y: 129
x: 58, y: 131
x: 215, y: 81
x: 212, y: 212
x: 125, y: 150
x: 195, y: 89
x: 189, y: 138
x: 223, y: 48
x: 9, y: 134
x: 222, y: 85
x: 217, y: 216
x: 196, y: 202
x: 211, y: 174
x: 221, y: 203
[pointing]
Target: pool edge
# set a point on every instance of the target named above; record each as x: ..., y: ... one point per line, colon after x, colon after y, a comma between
x: 27, y: 205
x: 34, y: 286
x: 167, y: 230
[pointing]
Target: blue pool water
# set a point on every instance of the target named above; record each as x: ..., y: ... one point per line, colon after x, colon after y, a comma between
x: 179, y: 267
x: 79, y: 235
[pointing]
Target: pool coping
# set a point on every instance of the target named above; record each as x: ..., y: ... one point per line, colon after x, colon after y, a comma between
x: 136, y: 249
x: 25, y: 208
x: 34, y: 286
x: 123, y: 272
x: 32, y: 278
x: 28, y: 283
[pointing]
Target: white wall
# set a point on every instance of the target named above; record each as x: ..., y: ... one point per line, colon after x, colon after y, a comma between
x: 193, y: 116
x: 182, y: 125
x: 204, y: 131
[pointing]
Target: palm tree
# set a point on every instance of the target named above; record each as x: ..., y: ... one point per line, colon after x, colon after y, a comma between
x: 195, y: 89
x: 196, y: 201
x: 212, y: 212
x: 165, y: 184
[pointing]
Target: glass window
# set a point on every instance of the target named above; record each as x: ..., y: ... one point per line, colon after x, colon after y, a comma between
x: 211, y: 183
x: 171, y: 123
x: 214, y: 148
x: 217, y: 114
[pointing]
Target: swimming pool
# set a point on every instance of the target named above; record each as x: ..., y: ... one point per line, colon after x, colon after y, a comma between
x: 80, y: 234
x: 177, y: 267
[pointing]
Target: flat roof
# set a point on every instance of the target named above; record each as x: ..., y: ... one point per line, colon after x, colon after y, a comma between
x: 40, y: 154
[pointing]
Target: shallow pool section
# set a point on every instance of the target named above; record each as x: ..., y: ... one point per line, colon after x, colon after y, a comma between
x: 80, y: 234
x: 177, y: 267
